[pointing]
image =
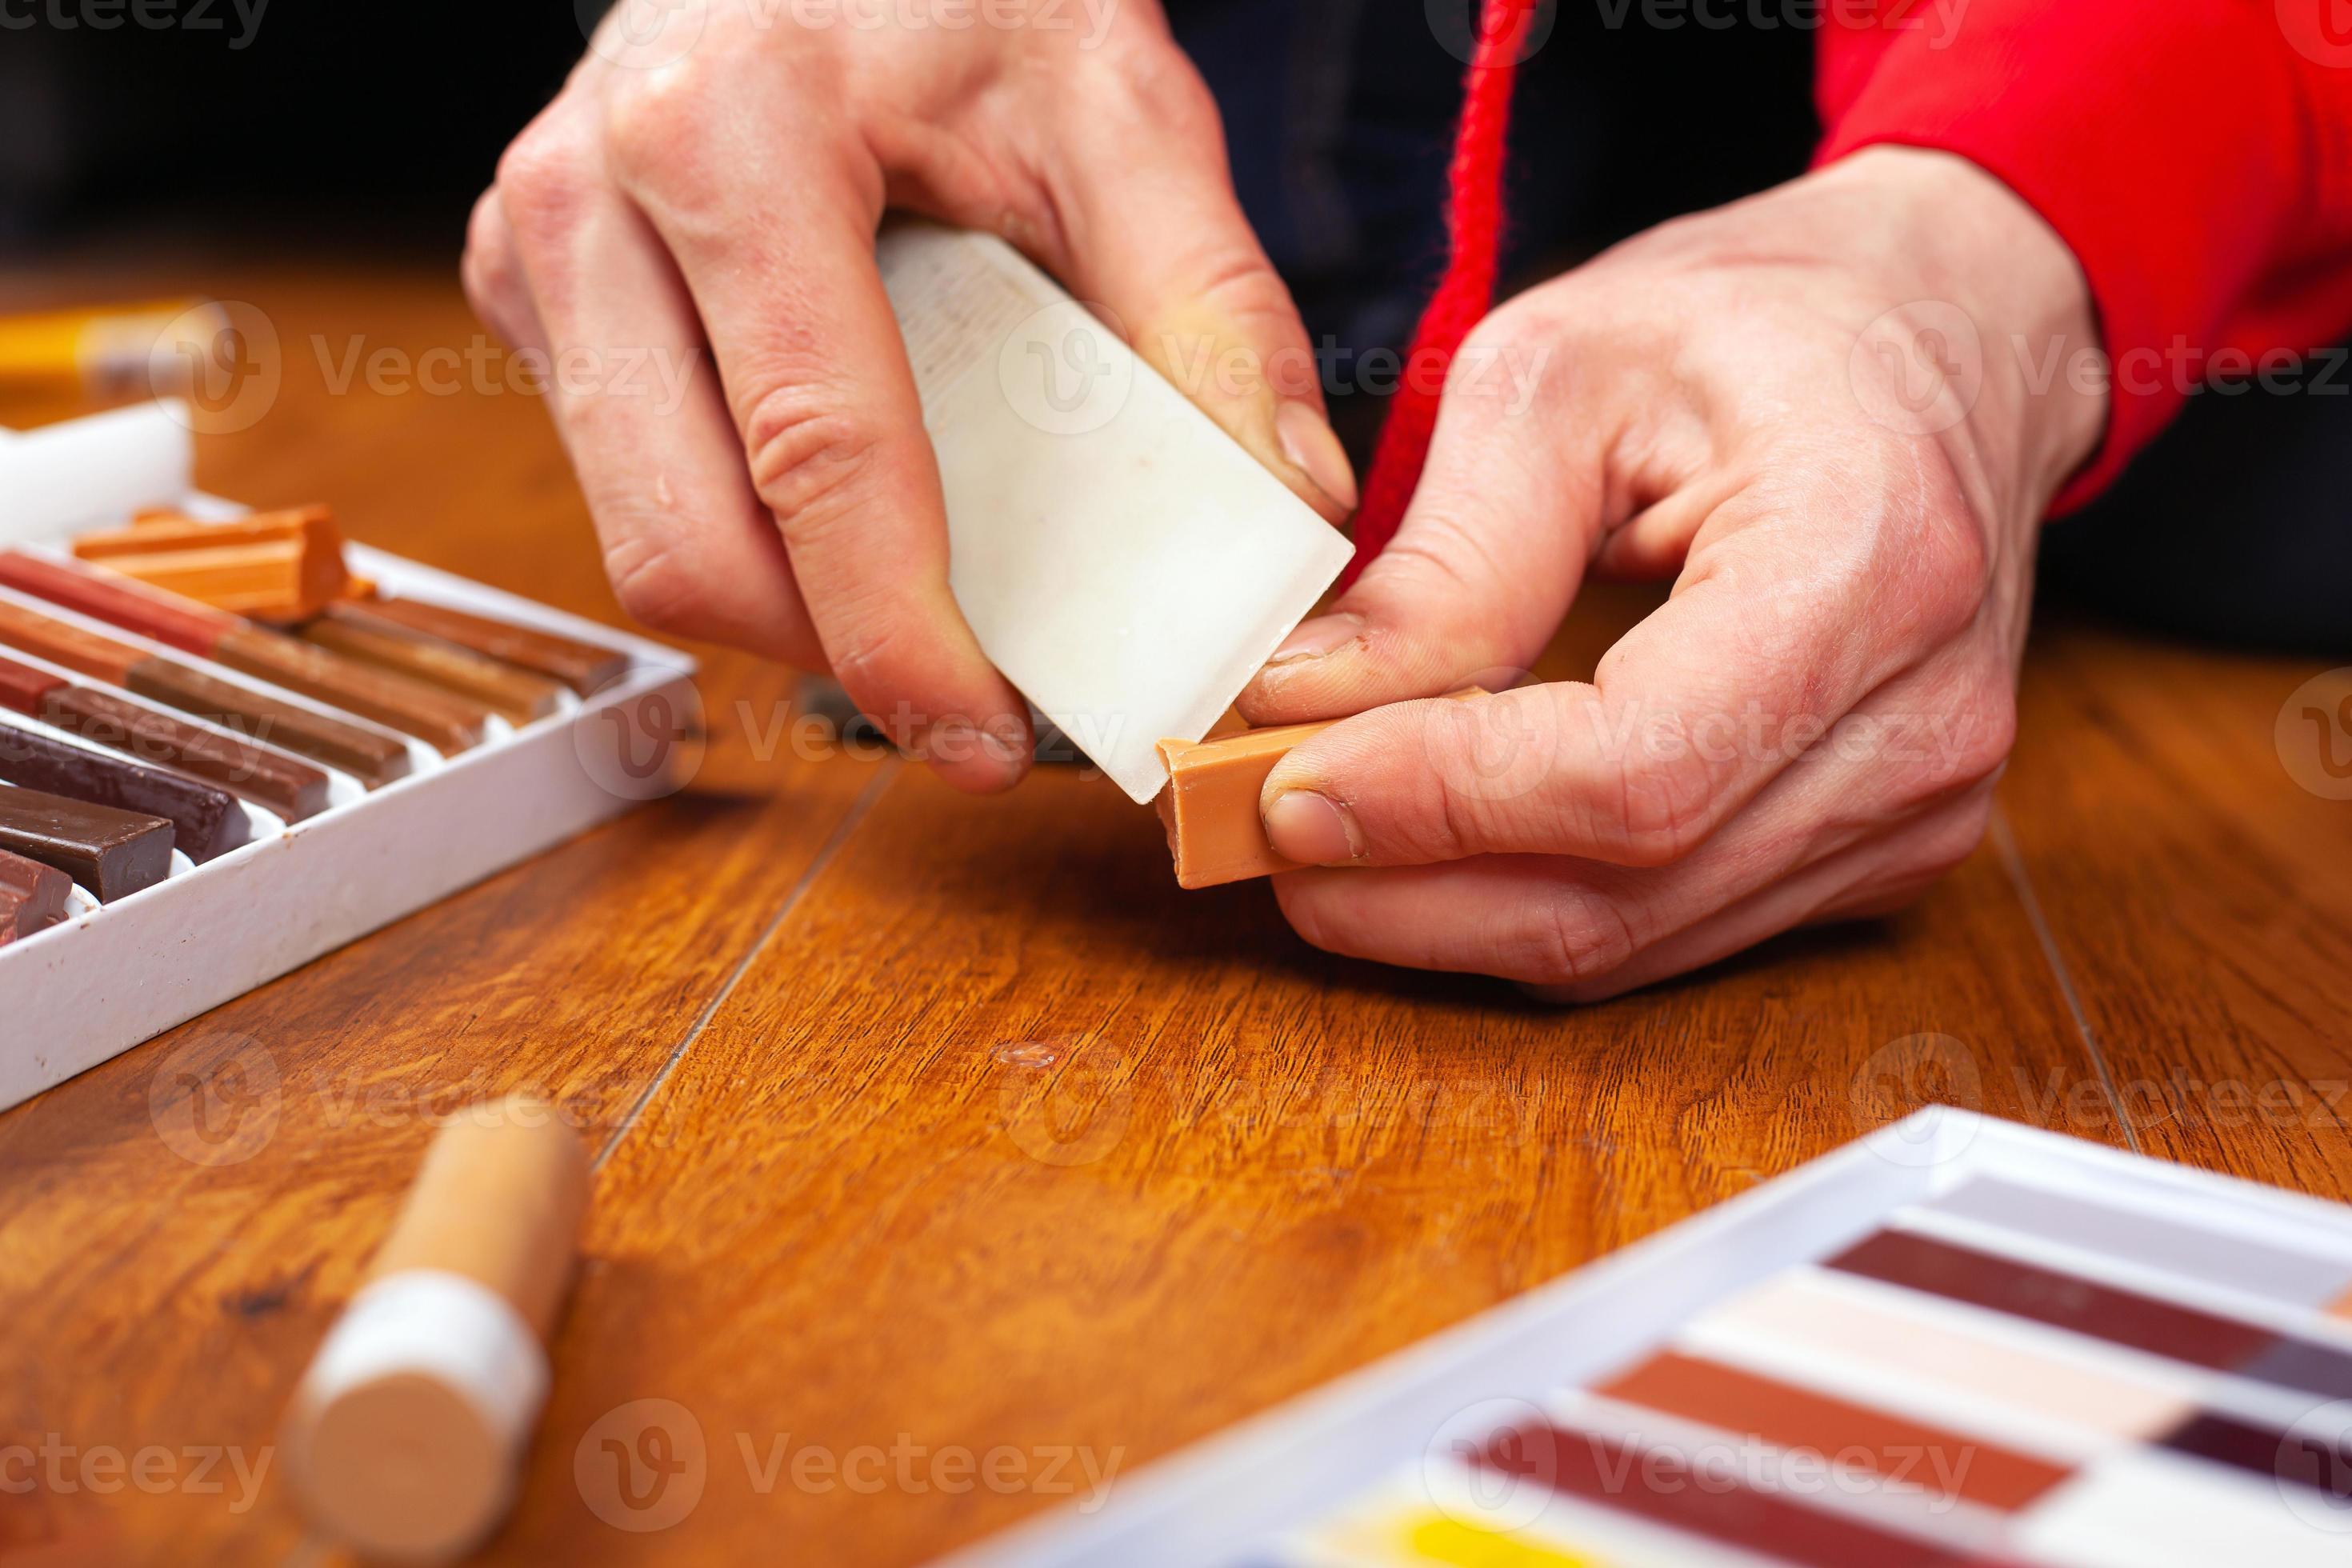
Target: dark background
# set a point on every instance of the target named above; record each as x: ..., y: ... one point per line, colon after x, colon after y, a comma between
x: 355, y: 121
x: 359, y: 127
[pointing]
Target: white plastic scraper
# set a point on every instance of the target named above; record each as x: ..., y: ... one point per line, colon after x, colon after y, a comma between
x: 1123, y: 561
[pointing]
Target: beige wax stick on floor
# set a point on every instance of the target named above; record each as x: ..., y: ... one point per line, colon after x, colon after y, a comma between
x: 405, y: 1437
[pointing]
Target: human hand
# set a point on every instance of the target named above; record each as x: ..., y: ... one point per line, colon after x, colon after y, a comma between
x: 1837, y: 413
x: 723, y: 188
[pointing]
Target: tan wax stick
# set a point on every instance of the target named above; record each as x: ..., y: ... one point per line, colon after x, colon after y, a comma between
x: 513, y: 693
x: 404, y: 1437
x: 1215, y: 833
x: 1210, y: 806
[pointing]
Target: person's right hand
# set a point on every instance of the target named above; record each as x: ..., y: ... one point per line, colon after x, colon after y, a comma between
x: 718, y: 182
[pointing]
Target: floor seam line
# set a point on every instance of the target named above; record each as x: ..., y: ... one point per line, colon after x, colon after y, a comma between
x: 2013, y: 863
x: 823, y: 857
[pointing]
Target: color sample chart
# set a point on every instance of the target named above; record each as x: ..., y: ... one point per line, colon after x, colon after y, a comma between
x: 2024, y: 1361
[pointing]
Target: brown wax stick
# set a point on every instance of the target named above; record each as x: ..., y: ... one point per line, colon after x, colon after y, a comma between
x: 294, y: 791
x: 32, y: 896
x: 112, y: 853
x: 1210, y: 808
x: 514, y: 694
x: 23, y: 689
x: 448, y: 723
x: 207, y: 823
x: 584, y: 667
x: 376, y: 759
x: 405, y: 1435
x: 118, y: 600
x: 84, y: 653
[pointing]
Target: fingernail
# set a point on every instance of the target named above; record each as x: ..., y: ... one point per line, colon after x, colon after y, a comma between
x: 1311, y: 829
x: 1323, y: 634
x: 1309, y: 441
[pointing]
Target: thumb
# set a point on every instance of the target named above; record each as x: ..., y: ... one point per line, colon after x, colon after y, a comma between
x: 1155, y: 233
x: 1488, y: 556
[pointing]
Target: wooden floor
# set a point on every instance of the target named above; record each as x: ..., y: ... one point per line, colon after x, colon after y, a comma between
x: 951, y: 1160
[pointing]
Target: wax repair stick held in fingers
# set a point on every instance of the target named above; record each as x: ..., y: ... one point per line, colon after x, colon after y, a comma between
x: 405, y: 1437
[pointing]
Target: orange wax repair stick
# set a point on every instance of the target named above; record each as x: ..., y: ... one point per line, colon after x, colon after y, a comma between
x: 405, y: 1435
x: 1210, y: 806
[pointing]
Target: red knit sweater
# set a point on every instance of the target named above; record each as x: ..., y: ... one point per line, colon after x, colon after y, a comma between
x: 2196, y: 154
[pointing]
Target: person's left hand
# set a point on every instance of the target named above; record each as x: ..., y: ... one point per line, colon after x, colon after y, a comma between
x: 1837, y: 412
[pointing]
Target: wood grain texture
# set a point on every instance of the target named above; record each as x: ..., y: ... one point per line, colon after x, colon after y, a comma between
x: 948, y: 1149
x: 2199, y: 898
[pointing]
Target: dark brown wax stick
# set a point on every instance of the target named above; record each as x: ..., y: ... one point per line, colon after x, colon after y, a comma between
x: 32, y: 896
x: 295, y: 790
x: 514, y: 694
x: 207, y: 823
x: 112, y: 853
x: 374, y: 758
x: 448, y: 723
x: 584, y: 667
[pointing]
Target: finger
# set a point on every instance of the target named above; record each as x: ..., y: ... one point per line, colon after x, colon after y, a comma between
x: 1488, y: 556
x: 775, y: 242
x: 1153, y: 231
x: 687, y: 546
x: 491, y: 271
x: 1778, y: 627
x: 1866, y: 881
x: 1580, y: 932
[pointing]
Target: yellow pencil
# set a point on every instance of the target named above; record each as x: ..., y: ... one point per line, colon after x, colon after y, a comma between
x: 112, y: 348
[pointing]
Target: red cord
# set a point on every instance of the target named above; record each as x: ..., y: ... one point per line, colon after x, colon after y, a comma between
x: 1474, y: 225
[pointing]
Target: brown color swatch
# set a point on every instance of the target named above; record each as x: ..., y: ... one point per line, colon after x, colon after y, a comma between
x: 118, y: 600
x: 114, y: 854
x: 295, y: 790
x: 514, y: 694
x: 1905, y: 1452
x: 207, y: 821
x: 448, y: 723
x: 84, y: 653
x: 32, y: 896
x: 584, y: 667
x: 374, y: 758
x: 2060, y: 1300
x: 1617, y: 1474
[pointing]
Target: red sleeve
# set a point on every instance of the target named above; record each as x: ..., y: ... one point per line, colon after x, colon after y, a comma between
x: 2196, y: 154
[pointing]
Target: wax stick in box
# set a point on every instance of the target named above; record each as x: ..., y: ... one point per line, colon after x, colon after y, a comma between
x: 441, y: 718
x: 405, y: 1437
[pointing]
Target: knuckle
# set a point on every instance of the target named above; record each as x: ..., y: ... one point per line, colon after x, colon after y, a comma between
x: 1574, y: 935
x: 1146, y: 85
x: 1661, y: 809
x: 544, y: 178
x: 656, y: 580
x: 1990, y: 734
x: 808, y: 457
x: 651, y: 116
x: 1941, y: 847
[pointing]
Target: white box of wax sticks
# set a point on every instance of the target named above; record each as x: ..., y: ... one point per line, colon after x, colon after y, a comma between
x: 113, y: 976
